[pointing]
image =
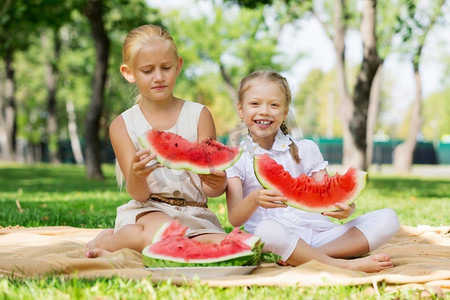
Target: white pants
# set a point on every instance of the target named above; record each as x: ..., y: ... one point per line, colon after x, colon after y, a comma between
x: 377, y: 226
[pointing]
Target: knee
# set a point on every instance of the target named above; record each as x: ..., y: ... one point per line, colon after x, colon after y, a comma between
x: 276, y: 238
x: 386, y: 226
x: 391, y: 224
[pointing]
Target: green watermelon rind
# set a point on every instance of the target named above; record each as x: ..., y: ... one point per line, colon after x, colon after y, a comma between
x: 157, y: 261
x: 187, y: 165
x: 243, y: 258
x: 361, y: 178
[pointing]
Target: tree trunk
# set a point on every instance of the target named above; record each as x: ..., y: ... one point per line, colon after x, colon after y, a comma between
x: 94, y: 13
x: 404, y: 153
x: 51, y: 78
x: 346, y: 106
x: 4, y: 153
x: 372, y: 117
x: 232, y: 91
x: 361, y: 95
x: 9, y: 110
x: 73, y: 135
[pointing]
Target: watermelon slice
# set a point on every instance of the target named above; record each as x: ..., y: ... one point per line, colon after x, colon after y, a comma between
x: 304, y: 192
x: 170, y: 248
x: 176, y: 152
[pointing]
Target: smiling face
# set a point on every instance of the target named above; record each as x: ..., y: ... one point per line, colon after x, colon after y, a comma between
x: 154, y: 70
x: 263, y: 108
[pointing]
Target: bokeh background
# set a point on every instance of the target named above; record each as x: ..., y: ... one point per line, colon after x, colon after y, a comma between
x: 370, y: 79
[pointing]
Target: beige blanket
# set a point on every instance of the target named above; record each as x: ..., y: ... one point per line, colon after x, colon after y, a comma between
x: 421, y: 256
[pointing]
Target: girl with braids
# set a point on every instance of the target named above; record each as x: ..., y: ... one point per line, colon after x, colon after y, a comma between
x: 295, y: 235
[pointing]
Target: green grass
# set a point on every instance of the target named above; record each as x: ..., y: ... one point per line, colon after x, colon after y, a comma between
x: 50, y: 195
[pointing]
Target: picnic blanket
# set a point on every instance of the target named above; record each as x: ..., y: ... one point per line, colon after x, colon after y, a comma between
x: 421, y: 256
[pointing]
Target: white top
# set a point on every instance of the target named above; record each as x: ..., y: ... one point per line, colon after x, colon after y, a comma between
x: 311, y: 161
x: 164, y: 181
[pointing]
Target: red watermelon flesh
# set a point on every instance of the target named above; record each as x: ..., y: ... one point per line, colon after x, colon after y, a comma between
x: 169, y: 230
x: 304, y: 192
x: 176, y: 250
x: 176, y: 152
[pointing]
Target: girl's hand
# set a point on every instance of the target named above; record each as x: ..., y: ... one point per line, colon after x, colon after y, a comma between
x: 344, y: 212
x: 140, y: 164
x: 216, y: 180
x: 268, y: 198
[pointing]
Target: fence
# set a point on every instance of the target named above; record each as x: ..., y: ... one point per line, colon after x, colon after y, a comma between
x: 424, y: 153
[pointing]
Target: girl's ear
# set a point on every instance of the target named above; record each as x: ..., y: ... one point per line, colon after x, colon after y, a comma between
x: 127, y: 73
x: 179, y: 65
x: 239, y: 107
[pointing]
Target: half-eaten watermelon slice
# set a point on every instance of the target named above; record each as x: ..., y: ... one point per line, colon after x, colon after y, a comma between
x: 176, y: 152
x: 304, y: 192
x: 171, y: 248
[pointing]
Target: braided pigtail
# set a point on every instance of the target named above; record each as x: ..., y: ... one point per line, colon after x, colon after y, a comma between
x: 293, y: 149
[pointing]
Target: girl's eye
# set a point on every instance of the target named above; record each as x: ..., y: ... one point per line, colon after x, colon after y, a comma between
x: 167, y: 68
x: 146, y: 71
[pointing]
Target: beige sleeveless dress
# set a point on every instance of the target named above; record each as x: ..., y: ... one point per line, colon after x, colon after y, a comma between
x: 170, y: 183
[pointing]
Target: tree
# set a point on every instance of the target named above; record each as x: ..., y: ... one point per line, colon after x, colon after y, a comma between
x: 94, y: 13
x: 416, y: 28
x: 12, y: 19
x: 357, y: 124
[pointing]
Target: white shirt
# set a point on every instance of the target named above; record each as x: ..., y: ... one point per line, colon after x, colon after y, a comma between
x: 300, y: 222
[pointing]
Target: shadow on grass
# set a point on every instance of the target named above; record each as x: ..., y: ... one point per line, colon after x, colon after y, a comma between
x: 53, y: 195
x: 413, y: 187
x: 44, y: 177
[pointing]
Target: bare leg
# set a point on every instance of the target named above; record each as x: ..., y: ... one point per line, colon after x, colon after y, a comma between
x: 373, y: 263
x: 352, y: 243
x: 133, y: 236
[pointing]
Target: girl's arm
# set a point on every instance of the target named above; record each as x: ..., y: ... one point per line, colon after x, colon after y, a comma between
x: 132, y: 163
x: 240, y: 209
x: 214, y: 184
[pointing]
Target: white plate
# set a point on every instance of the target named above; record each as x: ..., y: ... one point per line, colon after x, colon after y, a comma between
x: 203, y: 272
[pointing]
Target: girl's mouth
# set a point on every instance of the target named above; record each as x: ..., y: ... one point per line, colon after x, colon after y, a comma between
x: 263, y: 122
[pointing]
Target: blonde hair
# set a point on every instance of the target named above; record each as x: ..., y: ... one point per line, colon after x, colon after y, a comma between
x: 140, y: 37
x: 275, y: 77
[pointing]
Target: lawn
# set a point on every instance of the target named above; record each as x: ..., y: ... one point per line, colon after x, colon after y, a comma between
x: 52, y: 195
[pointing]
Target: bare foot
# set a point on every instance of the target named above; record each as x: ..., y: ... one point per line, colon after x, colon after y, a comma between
x: 104, y: 233
x: 371, y: 263
x: 96, y: 252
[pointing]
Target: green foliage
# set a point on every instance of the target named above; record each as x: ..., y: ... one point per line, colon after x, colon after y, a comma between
x: 437, y: 113
x: 414, y: 21
x: 313, y: 103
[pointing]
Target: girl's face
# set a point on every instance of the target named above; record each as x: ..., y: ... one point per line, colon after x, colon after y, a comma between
x: 263, y: 108
x: 155, y: 70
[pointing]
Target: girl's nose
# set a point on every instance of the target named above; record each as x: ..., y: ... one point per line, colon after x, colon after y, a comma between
x: 158, y: 74
x: 264, y: 109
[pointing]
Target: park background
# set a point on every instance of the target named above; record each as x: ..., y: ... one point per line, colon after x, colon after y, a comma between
x: 60, y: 88
x: 366, y: 77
